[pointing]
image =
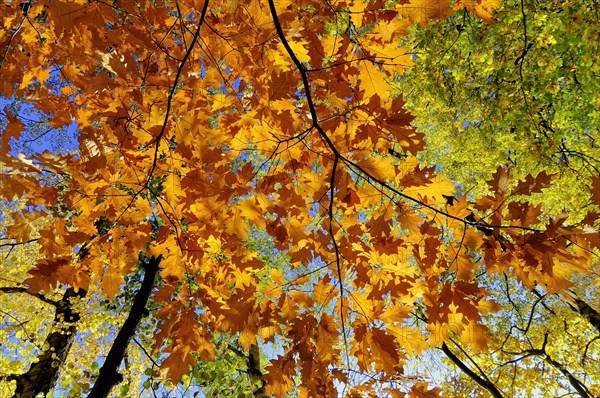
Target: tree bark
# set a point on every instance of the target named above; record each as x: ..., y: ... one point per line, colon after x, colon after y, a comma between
x: 586, y: 311
x: 109, y: 376
x: 41, y: 377
x: 254, y: 371
x: 253, y: 368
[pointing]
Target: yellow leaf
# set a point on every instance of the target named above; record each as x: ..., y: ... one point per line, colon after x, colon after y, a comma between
x: 242, y: 278
x: 235, y: 224
x: 172, y: 189
x: 300, y: 50
x: 482, y: 8
x: 249, y: 209
x: 269, y: 332
x: 173, y: 265
x: 380, y: 168
x: 324, y: 291
x: 213, y: 245
x: 331, y: 45
x: 364, y: 306
x: 423, y: 11
x: 373, y: 82
x: 476, y: 336
x: 38, y: 74
x: 436, y: 190
x: 280, y: 58
x: 357, y: 9
x: 247, y: 338
x: 221, y: 101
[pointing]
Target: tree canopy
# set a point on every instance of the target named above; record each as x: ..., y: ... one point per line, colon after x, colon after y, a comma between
x: 524, y: 95
x: 248, y: 185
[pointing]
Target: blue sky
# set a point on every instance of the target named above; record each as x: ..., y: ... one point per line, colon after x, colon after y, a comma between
x: 38, y: 136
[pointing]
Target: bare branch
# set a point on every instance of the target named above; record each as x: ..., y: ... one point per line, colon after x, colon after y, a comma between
x: 20, y: 289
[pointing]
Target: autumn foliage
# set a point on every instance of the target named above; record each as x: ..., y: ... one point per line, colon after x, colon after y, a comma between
x: 203, y: 122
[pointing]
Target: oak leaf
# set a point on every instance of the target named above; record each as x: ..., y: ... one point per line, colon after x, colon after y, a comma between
x: 24, y: 226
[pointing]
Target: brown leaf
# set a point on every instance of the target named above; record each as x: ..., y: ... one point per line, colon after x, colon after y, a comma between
x: 533, y: 185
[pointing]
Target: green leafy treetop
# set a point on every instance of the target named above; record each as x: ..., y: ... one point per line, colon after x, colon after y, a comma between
x: 522, y: 92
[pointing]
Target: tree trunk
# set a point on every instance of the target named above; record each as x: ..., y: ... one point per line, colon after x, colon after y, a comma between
x: 109, y: 375
x: 43, y: 374
x: 254, y: 371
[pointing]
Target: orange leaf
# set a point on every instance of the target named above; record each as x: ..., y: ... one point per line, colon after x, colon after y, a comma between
x: 111, y: 282
x: 178, y: 362
x: 421, y: 390
x: 279, y: 376
x: 43, y: 275
x: 24, y: 226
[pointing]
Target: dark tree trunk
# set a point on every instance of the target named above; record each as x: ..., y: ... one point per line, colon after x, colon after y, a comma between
x: 109, y: 375
x: 41, y: 377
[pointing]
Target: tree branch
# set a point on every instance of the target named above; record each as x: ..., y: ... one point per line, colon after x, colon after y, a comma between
x: 577, y: 385
x: 489, y: 386
x: 13, y: 244
x: 581, y: 389
x: 109, y: 375
x: 21, y: 289
x: 581, y: 307
x: 586, y: 311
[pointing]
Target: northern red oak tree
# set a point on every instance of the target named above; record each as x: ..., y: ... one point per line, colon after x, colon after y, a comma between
x: 201, y: 121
